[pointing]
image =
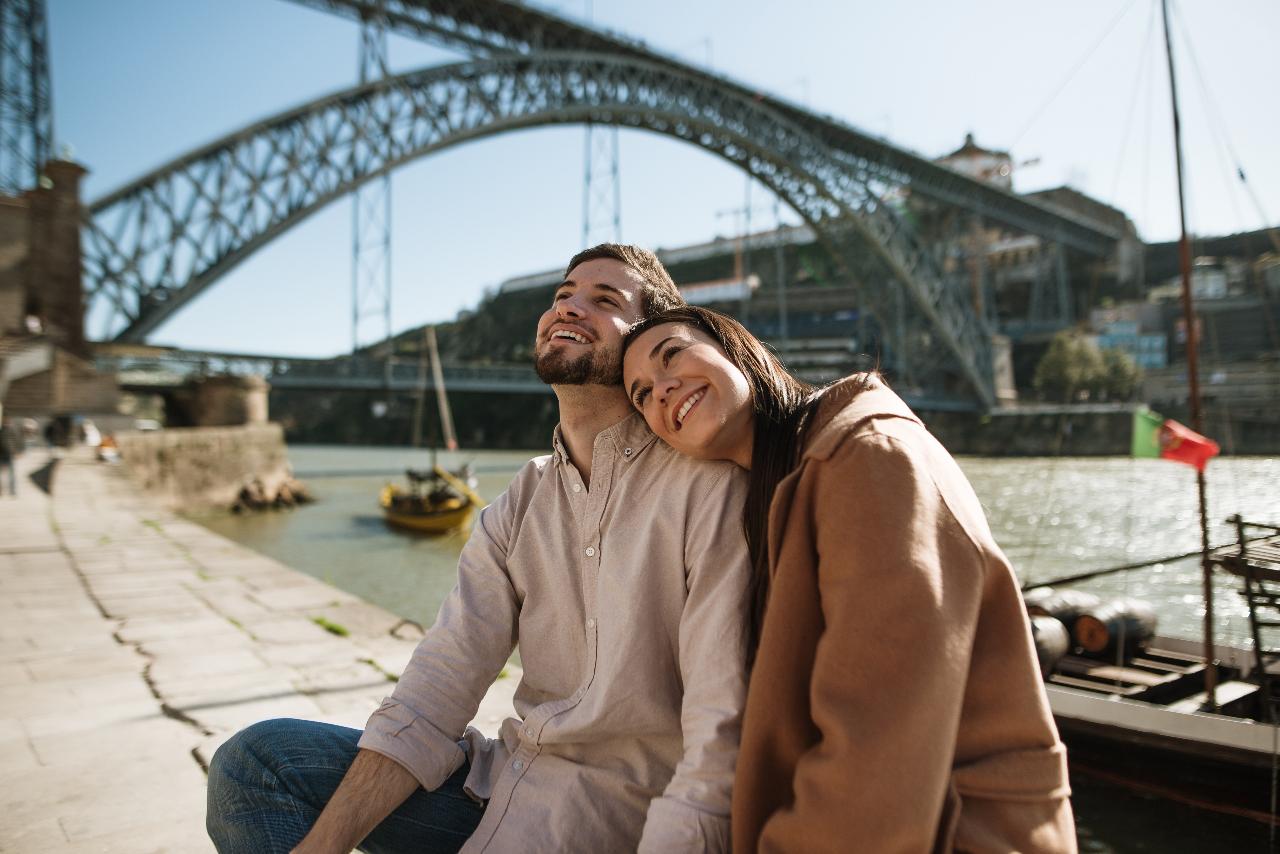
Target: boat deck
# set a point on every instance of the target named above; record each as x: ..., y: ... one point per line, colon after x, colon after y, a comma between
x: 1261, y: 556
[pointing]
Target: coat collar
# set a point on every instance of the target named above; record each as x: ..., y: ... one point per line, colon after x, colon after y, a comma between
x: 845, y: 405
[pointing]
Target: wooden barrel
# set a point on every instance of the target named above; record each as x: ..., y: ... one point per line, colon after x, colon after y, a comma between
x: 1051, y: 642
x: 1033, y: 597
x: 1065, y: 605
x: 1119, y: 624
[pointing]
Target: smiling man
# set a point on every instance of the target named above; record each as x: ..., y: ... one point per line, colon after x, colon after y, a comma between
x: 620, y: 569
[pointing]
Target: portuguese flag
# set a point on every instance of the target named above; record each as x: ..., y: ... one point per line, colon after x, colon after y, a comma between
x: 1157, y: 436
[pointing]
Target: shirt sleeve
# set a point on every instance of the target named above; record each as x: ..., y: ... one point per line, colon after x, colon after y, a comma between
x: 692, y: 814
x: 900, y: 587
x: 420, y: 724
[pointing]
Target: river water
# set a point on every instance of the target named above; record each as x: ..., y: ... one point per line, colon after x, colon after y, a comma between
x: 1053, y: 517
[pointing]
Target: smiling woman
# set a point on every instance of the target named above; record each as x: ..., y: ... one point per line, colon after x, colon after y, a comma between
x: 891, y: 636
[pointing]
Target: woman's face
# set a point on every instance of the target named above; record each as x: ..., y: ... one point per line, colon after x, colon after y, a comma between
x: 690, y: 394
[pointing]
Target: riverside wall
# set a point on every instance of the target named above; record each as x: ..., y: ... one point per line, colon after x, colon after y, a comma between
x: 1036, y: 431
x: 192, y: 468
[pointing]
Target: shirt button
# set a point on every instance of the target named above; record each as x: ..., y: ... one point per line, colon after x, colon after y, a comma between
x: 577, y: 487
x: 626, y: 452
x: 591, y: 624
x: 517, y: 765
x: 528, y: 731
x: 591, y: 552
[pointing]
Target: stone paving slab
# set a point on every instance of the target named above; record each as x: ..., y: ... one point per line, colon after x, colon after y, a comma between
x: 134, y: 642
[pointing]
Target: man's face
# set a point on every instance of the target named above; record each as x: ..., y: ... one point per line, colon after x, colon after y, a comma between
x: 579, y: 338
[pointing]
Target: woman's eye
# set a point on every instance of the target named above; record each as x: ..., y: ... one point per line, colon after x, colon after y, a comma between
x: 640, y: 397
x: 669, y: 353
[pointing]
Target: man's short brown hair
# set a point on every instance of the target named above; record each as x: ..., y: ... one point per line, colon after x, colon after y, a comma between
x: 659, y: 292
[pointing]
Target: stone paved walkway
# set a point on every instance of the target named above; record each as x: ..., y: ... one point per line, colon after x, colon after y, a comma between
x: 133, y: 642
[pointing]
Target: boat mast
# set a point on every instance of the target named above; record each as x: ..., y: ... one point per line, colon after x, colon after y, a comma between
x: 437, y: 374
x: 1193, y: 378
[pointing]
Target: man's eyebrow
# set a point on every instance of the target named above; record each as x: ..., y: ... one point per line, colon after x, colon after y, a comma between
x: 608, y: 287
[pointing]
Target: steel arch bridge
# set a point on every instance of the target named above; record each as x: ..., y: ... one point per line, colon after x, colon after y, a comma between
x: 154, y: 245
x: 150, y: 247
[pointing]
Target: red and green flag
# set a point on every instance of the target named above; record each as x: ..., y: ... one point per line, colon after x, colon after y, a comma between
x: 1157, y: 436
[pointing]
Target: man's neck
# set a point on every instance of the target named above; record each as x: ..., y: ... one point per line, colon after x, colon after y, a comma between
x: 585, y: 411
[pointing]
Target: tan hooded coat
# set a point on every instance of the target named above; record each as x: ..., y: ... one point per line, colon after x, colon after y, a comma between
x: 895, y: 704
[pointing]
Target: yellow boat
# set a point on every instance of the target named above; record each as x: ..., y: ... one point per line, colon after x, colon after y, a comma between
x: 436, y: 502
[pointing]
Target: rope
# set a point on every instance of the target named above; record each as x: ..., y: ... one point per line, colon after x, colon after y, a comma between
x: 1218, y: 126
x: 1071, y: 74
x: 1143, y: 66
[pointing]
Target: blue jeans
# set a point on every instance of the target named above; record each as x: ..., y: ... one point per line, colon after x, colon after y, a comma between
x: 268, y: 784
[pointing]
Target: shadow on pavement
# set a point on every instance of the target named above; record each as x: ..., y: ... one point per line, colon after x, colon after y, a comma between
x: 43, y: 477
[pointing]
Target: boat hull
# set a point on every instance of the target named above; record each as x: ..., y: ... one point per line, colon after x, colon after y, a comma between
x: 1222, y: 762
x: 430, y: 523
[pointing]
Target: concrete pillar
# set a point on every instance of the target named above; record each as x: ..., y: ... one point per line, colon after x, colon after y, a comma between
x: 55, y: 290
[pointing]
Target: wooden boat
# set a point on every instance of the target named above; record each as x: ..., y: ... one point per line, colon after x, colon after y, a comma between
x: 436, y: 502
x: 1144, y: 720
x: 1191, y: 721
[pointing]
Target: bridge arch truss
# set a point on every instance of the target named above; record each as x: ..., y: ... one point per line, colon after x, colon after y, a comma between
x: 154, y: 245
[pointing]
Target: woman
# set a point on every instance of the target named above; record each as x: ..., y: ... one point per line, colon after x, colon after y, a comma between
x: 895, y: 703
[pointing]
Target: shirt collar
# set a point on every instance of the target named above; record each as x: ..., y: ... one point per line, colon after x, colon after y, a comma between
x: 628, y: 438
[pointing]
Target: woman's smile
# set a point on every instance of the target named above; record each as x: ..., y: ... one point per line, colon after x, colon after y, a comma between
x: 689, y: 402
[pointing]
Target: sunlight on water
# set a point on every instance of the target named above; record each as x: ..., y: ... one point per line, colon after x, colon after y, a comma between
x: 1053, y: 517
x: 1064, y: 516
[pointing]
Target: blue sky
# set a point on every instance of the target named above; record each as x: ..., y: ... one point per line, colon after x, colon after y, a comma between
x: 139, y: 82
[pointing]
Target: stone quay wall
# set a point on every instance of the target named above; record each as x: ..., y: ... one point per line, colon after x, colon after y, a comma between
x: 193, y: 468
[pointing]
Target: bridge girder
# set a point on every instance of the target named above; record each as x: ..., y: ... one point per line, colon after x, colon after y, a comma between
x: 154, y: 245
x: 491, y: 27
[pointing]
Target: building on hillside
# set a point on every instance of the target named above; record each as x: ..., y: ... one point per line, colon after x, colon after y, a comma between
x: 983, y: 164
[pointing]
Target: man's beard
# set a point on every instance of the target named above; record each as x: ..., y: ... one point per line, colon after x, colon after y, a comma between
x: 555, y: 367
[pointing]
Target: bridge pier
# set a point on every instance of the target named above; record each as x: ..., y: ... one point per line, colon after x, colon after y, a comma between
x: 40, y: 273
x: 220, y: 401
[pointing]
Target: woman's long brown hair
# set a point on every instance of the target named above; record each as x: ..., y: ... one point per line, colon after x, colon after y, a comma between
x: 781, y: 404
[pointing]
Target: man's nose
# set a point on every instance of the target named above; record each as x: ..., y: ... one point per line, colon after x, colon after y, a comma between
x: 568, y: 307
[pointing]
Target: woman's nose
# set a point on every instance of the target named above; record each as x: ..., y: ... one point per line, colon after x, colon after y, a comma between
x: 664, y: 387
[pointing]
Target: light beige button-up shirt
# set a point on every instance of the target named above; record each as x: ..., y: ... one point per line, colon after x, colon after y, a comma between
x: 628, y: 601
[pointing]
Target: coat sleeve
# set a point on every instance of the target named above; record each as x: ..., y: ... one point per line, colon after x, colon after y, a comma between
x: 900, y: 586
x: 453, y: 666
x: 692, y: 814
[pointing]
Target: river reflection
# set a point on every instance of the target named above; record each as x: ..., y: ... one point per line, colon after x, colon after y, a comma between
x: 1053, y: 517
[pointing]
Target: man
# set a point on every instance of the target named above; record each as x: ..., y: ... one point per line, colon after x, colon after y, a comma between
x: 10, y: 448
x: 620, y: 568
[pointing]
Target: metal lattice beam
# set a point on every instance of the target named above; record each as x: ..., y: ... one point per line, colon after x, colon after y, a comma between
x: 26, y: 102
x: 154, y: 245
x: 491, y: 27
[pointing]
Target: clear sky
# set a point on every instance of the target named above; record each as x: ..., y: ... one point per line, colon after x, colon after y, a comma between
x: 1078, y: 91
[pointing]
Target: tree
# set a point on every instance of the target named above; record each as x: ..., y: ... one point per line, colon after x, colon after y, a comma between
x: 1121, y: 375
x: 1072, y: 366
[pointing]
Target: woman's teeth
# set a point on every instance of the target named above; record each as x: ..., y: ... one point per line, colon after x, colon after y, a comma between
x: 688, y: 404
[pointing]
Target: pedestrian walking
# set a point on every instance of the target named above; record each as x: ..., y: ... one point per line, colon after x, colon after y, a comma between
x: 10, y: 447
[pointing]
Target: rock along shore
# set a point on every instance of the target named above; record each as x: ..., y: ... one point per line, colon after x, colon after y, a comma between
x: 134, y: 642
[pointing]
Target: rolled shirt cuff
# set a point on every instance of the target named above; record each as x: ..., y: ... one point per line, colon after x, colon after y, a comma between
x: 673, y: 825
x: 401, y: 734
